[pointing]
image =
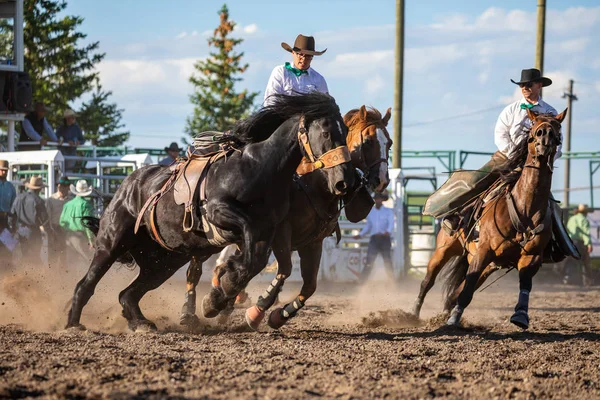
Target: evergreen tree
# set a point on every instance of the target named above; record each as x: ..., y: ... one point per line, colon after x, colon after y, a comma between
x: 61, y: 68
x: 100, y: 120
x: 217, y: 106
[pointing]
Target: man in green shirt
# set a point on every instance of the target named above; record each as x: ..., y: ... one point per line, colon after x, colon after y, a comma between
x: 579, y: 231
x: 79, y: 238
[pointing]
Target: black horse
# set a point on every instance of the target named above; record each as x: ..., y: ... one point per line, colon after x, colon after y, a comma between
x: 247, y: 196
x: 313, y: 216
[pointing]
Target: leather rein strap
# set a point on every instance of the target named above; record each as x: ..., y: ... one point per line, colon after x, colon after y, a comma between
x: 330, y: 159
x: 517, y: 222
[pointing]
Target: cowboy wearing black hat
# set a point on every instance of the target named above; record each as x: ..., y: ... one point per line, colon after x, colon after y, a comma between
x: 380, y: 225
x: 298, y: 77
x: 512, y: 128
x: 172, y: 153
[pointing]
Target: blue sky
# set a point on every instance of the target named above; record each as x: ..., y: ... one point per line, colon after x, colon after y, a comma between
x: 459, y: 59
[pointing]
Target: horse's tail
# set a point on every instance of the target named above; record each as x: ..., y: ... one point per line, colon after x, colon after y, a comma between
x: 455, y: 274
x: 93, y: 224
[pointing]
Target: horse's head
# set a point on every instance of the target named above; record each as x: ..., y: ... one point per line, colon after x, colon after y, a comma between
x: 324, y: 143
x: 544, y: 137
x: 370, y: 143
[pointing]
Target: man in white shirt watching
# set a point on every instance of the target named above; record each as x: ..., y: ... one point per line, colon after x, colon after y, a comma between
x: 380, y: 224
x: 298, y: 77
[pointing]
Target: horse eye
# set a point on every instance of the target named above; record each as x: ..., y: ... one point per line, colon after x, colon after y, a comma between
x: 326, y: 135
x: 539, y: 133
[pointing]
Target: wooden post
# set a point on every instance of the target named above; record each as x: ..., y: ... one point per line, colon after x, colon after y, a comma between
x: 397, y: 150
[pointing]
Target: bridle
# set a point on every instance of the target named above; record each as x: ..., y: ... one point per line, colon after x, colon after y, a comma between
x: 533, y: 138
x: 309, y: 163
x: 361, y: 157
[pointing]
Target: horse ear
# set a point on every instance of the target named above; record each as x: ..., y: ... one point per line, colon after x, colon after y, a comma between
x: 532, y: 116
x: 560, y: 117
x: 363, y: 112
x: 387, y: 116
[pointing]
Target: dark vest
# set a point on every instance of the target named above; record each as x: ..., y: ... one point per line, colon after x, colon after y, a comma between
x: 38, y: 126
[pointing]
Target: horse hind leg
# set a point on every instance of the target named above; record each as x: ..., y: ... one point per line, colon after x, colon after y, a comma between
x: 448, y: 250
x: 188, y: 312
x: 476, y: 267
x: 155, y: 269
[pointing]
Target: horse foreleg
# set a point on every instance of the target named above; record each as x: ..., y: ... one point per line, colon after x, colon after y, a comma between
x: 188, y: 312
x: 448, y: 248
x: 310, y: 260
x: 283, y: 254
x: 478, y: 263
x: 528, y: 266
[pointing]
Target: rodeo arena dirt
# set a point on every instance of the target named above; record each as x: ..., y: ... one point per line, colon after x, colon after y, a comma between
x: 343, y: 345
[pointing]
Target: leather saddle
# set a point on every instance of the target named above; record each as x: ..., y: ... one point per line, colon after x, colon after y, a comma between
x: 187, y: 180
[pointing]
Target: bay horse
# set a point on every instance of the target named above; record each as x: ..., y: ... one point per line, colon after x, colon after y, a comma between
x: 313, y: 216
x: 514, y: 229
x: 247, y: 196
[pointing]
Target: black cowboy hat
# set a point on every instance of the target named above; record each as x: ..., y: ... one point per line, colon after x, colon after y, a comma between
x: 173, y: 147
x: 304, y: 45
x: 533, y: 75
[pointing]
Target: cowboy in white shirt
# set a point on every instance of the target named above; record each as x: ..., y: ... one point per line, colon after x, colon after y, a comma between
x: 297, y: 78
x: 512, y: 128
x: 380, y: 225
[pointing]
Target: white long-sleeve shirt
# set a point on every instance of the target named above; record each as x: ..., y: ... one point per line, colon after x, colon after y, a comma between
x: 283, y: 81
x: 33, y: 135
x: 513, y: 125
x: 379, y: 221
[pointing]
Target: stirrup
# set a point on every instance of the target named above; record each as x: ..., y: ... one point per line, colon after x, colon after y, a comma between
x: 450, y: 224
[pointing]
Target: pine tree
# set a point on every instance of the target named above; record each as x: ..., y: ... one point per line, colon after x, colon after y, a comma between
x: 217, y: 105
x: 61, y: 68
x: 100, y: 120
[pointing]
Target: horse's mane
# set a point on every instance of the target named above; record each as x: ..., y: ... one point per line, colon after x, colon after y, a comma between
x: 352, y: 118
x: 261, y: 125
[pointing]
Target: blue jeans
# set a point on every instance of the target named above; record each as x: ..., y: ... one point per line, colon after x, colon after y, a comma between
x: 379, y: 244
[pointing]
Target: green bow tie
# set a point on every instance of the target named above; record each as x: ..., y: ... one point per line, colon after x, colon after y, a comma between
x: 527, y: 106
x: 295, y: 71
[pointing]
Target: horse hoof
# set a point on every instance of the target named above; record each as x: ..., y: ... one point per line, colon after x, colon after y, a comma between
x: 455, y: 316
x: 213, y: 303
x: 276, y: 320
x: 520, y: 319
x: 189, y: 320
x: 75, y: 327
x: 254, y: 317
x: 142, y: 326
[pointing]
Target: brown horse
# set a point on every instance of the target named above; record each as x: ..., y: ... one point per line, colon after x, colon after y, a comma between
x: 313, y: 216
x: 514, y: 229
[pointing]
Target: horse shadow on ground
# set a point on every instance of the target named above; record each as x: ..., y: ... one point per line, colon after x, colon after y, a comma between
x: 455, y: 334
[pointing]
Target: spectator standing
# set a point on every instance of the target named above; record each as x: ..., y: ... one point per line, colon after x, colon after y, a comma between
x: 380, y: 224
x: 71, y: 136
x: 172, y: 153
x: 30, y: 216
x: 79, y: 238
x: 8, y: 194
x: 578, y: 227
x: 36, y: 128
x: 57, y: 239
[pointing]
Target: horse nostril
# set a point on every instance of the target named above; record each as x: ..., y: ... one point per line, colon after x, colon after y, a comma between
x: 341, y: 186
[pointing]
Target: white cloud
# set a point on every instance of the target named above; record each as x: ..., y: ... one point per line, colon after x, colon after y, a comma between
x: 573, y: 45
x: 181, y: 35
x: 250, y: 29
x: 483, y: 77
x: 359, y: 64
x: 423, y: 58
x: 374, y: 85
x: 492, y: 19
